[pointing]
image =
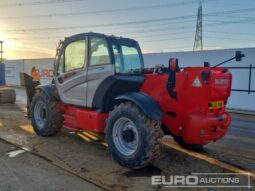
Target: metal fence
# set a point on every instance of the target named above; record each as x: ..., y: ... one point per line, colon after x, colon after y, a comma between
x: 249, y: 70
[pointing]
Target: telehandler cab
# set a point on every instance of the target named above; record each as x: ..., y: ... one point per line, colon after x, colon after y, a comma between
x: 100, y: 84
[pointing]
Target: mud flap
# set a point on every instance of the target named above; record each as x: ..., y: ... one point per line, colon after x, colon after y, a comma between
x: 30, y: 85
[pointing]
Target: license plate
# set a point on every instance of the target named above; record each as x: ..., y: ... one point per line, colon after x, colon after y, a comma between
x: 216, y: 104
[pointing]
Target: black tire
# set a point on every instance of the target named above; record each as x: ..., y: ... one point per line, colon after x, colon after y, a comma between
x: 180, y: 141
x: 52, y: 117
x: 7, y: 95
x: 148, y: 131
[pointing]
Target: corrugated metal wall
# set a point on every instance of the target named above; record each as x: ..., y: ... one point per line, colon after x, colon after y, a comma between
x: 14, y: 67
x: 12, y: 70
x: 44, y: 66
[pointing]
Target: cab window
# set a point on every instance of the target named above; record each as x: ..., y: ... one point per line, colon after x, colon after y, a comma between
x: 131, y: 59
x: 127, y: 59
x: 99, y: 53
x: 75, y: 55
x: 61, y: 64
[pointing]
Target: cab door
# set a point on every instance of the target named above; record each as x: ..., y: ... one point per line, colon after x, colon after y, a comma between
x: 99, y: 65
x: 71, y: 77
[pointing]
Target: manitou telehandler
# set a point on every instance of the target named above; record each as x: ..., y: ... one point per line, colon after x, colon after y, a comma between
x: 100, y: 84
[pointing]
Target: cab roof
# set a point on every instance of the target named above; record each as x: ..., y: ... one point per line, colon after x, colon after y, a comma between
x: 111, y: 37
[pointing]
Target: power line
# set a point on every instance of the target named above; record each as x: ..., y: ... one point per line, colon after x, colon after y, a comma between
x: 231, y: 12
x: 111, y: 10
x: 145, y: 29
x: 156, y: 30
x: 232, y: 22
x: 140, y: 39
x: 35, y: 38
x: 184, y: 27
x: 99, y: 25
x: 227, y: 38
x: 129, y: 33
x: 166, y: 39
x: 160, y: 23
x: 118, y: 32
x: 145, y: 26
x: 136, y: 8
x: 159, y: 34
x: 36, y: 3
x: 232, y: 16
x: 230, y: 33
x: 124, y: 23
x: 144, y: 36
x: 246, y: 21
x: 164, y: 50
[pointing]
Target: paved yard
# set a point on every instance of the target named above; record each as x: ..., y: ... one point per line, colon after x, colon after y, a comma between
x: 20, y: 170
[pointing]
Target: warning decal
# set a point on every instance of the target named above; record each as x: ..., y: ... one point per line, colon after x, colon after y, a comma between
x: 197, y: 82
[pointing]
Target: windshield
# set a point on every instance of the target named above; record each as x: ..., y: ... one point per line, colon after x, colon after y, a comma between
x: 127, y: 59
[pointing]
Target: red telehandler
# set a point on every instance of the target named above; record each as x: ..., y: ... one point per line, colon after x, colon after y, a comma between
x: 100, y: 84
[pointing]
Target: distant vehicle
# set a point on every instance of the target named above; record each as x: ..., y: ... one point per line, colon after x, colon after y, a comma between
x: 100, y: 84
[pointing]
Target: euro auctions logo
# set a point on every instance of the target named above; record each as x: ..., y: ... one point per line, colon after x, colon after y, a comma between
x: 223, y: 180
x: 174, y: 180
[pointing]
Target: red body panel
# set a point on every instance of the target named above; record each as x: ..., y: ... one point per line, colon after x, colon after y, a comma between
x: 79, y: 118
x: 189, y: 116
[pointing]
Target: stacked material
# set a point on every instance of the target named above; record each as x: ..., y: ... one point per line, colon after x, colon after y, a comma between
x: 7, y: 95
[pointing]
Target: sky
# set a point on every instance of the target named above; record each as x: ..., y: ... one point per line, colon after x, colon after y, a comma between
x: 32, y: 29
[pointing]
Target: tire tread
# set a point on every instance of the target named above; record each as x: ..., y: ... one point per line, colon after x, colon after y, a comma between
x: 154, y: 134
x: 55, y: 115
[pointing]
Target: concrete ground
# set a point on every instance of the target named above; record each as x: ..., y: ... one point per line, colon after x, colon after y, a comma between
x: 237, y: 147
x: 20, y: 170
x: 74, y: 160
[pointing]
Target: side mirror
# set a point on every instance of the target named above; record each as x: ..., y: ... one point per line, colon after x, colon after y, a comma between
x: 239, y: 56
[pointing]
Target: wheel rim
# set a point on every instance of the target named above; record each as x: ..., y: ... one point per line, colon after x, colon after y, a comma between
x: 40, y: 114
x: 125, y: 136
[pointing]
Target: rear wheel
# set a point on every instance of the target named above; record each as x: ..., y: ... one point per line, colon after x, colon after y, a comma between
x: 133, y: 138
x: 46, y: 115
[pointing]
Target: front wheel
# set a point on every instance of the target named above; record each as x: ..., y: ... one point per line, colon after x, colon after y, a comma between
x: 46, y: 116
x: 133, y: 138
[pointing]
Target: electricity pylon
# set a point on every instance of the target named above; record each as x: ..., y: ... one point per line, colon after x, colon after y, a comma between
x: 198, y: 42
